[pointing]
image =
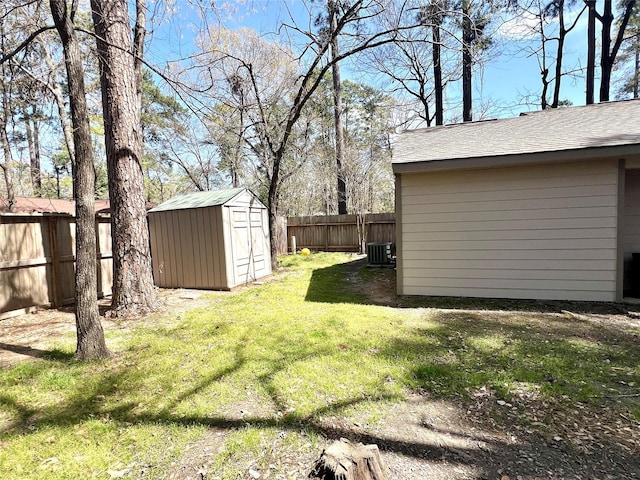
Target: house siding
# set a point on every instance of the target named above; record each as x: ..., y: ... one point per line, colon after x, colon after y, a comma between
x: 538, y: 231
x: 631, y: 237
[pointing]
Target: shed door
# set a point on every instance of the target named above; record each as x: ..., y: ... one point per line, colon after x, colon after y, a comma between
x: 241, y: 246
x: 249, y: 252
x: 260, y: 254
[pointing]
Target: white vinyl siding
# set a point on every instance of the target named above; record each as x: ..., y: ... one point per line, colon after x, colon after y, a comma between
x: 539, y: 231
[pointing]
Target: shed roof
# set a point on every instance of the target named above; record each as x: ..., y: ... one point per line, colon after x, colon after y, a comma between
x: 199, y: 200
x: 596, y: 129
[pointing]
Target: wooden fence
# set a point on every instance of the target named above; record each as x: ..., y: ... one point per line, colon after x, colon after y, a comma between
x: 281, y: 237
x: 340, y: 233
x: 37, y: 261
x: 37, y: 252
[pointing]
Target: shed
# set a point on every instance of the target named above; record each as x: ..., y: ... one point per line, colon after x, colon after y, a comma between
x: 542, y: 206
x: 211, y: 240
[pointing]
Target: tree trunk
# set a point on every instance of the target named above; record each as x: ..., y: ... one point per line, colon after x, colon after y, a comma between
x: 272, y: 207
x: 467, y: 62
x: 235, y: 161
x: 609, y: 54
x: 545, y: 89
x: 6, y: 149
x: 361, y: 224
x: 133, y: 289
x: 343, y: 460
x: 6, y: 173
x: 636, y: 70
x: 58, y: 171
x: 139, y: 34
x: 90, y: 336
x: 34, y: 151
x: 606, y: 62
x: 337, y: 109
x: 8, y: 183
x: 591, y: 51
x: 437, y: 69
x: 559, y: 53
x: 4, y: 120
x: 56, y: 91
x: 544, y: 70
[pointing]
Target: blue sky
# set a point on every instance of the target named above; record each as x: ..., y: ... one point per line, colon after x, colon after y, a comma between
x: 500, y: 85
x: 517, y: 72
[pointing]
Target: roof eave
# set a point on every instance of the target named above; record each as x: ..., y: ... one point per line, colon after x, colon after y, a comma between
x: 616, y: 151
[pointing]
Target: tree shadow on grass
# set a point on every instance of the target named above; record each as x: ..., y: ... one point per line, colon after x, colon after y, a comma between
x: 91, y: 402
x: 111, y: 395
x: 53, y: 354
x: 556, y: 377
x: 513, y: 305
x: 494, y: 457
x: 472, y: 349
x: 354, y: 282
x: 452, y: 353
x: 343, y: 283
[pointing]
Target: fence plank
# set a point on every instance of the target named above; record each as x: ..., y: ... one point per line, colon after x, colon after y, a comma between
x: 282, y: 237
x: 53, y: 269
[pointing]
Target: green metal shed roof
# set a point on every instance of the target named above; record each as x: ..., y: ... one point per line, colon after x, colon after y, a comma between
x: 198, y: 200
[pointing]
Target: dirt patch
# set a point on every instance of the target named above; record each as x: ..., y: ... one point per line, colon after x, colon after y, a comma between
x: 33, y: 335
x: 377, y: 282
x: 426, y: 438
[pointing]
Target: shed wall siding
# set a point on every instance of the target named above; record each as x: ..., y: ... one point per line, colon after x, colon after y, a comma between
x: 188, y: 249
x: 540, y: 231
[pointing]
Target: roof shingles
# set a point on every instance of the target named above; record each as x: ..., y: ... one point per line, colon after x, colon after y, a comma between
x: 575, y: 128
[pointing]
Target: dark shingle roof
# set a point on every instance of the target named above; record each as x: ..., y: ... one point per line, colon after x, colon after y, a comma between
x: 198, y: 200
x: 611, y: 124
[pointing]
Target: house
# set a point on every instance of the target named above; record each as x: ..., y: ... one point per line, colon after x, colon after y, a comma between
x: 211, y: 240
x: 542, y: 206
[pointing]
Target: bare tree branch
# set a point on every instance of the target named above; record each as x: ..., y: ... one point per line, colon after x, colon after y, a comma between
x: 5, y: 58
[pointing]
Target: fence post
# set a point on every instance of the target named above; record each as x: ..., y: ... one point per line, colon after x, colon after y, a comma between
x: 326, y: 236
x: 55, y: 260
x: 100, y: 286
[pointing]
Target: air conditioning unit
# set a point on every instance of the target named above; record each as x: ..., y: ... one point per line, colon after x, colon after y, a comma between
x: 379, y: 253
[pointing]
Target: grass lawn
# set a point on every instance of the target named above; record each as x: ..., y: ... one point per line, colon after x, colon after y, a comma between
x: 288, y: 355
